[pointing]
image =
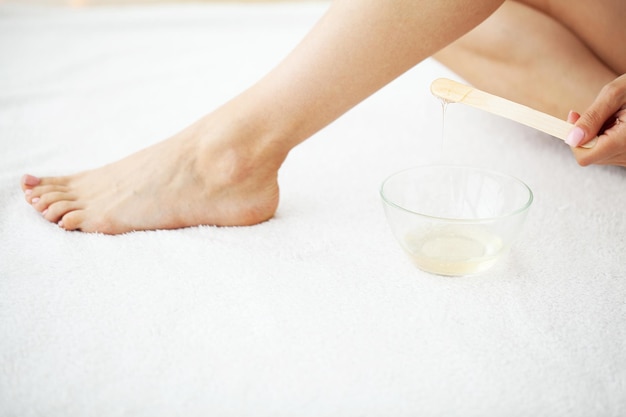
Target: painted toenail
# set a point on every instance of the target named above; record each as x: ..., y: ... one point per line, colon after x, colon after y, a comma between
x: 35, y: 200
x: 30, y: 180
x: 60, y: 223
x: 43, y: 213
x: 28, y: 192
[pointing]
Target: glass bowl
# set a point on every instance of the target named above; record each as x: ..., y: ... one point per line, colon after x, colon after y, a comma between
x: 455, y: 220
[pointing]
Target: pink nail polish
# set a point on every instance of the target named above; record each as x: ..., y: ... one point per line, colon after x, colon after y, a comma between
x: 60, y: 223
x: 30, y: 180
x: 575, y: 137
x: 43, y: 213
x: 28, y: 192
x: 35, y: 200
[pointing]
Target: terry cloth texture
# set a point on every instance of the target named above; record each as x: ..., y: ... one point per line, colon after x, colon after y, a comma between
x: 316, y: 312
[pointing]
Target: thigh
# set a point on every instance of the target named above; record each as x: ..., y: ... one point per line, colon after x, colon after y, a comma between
x: 525, y: 55
x: 599, y: 24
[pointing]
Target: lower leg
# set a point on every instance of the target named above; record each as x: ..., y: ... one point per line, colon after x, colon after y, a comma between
x: 223, y: 169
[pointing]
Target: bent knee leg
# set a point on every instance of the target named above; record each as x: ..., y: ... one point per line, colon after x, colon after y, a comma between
x: 523, y: 54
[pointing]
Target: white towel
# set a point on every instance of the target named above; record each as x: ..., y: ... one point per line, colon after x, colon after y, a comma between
x: 316, y: 312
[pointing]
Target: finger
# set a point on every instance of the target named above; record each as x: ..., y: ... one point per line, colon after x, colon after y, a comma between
x: 611, y: 99
x: 572, y: 116
x: 609, y: 150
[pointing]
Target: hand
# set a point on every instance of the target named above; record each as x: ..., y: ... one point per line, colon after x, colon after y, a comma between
x: 605, y: 118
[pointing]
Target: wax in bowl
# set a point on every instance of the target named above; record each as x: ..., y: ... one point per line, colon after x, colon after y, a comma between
x: 455, y: 220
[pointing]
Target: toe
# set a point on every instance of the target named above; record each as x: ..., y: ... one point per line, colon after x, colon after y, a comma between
x: 37, y: 192
x: 42, y: 203
x: 59, y: 181
x: 72, y: 220
x: 55, y: 212
x: 29, y: 181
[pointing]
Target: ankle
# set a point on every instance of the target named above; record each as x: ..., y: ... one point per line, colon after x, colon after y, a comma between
x: 250, y: 137
x: 234, y: 151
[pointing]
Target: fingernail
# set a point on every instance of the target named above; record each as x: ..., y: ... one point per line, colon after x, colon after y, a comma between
x: 30, y: 180
x: 35, y: 200
x: 575, y: 137
x: 570, y: 116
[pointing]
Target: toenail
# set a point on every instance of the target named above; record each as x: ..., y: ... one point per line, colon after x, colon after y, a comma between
x: 28, y: 192
x: 43, y: 213
x: 35, y: 200
x: 60, y: 223
x: 30, y: 180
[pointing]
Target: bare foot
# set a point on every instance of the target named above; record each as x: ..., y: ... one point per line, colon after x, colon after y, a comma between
x: 190, y: 179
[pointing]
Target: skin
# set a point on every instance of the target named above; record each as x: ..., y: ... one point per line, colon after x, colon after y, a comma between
x: 547, y: 56
x: 607, y: 118
x: 222, y: 170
